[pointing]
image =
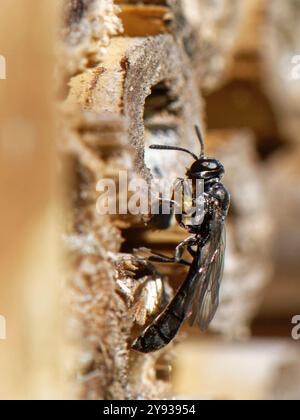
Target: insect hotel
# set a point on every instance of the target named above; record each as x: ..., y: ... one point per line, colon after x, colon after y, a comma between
x: 150, y: 216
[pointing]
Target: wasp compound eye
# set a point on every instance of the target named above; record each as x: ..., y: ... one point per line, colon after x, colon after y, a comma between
x: 206, y: 169
x: 210, y: 165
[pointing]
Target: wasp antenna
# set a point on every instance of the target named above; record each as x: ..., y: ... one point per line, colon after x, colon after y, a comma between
x: 179, y: 149
x: 199, y: 135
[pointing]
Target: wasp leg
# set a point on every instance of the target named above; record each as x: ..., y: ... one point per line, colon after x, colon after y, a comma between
x: 186, y: 193
x: 192, y: 251
x: 159, y: 258
x: 179, y: 218
x: 173, y: 204
x: 186, y: 244
x: 166, y: 325
x: 163, y: 220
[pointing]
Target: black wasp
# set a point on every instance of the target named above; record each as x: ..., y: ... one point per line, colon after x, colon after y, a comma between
x: 198, y: 297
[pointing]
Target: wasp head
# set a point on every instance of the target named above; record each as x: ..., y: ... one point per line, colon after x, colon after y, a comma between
x: 207, y: 169
x: 203, y: 167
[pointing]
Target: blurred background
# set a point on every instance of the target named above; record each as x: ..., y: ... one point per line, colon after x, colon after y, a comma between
x: 257, y: 108
x: 248, y: 77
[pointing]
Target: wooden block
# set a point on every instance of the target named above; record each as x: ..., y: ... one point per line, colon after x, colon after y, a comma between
x: 255, y: 370
x: 145, y: 20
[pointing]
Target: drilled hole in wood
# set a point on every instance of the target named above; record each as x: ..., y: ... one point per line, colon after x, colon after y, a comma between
x: 161, y: 102
x: 162, y: 120
x: 163, y: 368
x: 145, y: 18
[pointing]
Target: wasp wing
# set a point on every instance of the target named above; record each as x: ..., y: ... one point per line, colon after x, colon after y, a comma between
x: 206, y: 296
x: 197, y: 298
